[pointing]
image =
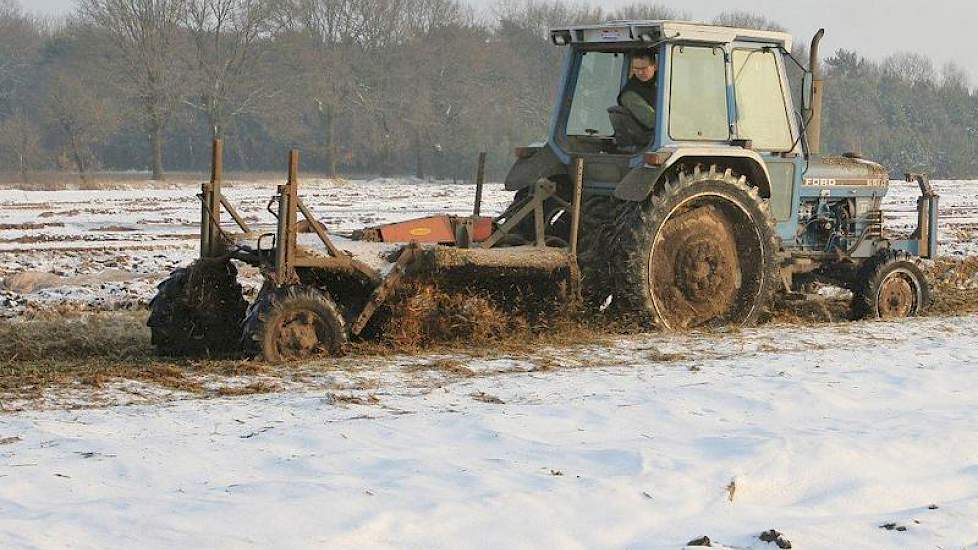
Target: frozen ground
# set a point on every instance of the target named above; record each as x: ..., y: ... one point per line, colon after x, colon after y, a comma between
x: 108, y: 249
x: 825, y: 434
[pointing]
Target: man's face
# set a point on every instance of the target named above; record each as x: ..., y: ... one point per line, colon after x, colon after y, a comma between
x: 643, y: 69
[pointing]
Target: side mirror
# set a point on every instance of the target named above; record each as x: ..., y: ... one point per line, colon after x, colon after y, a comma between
x: 807, y: 89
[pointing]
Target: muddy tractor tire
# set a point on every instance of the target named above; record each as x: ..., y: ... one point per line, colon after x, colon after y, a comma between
x: 596, y: 237
x: 890, y: 285
x: 197, y: 311
x: 293, y: 323
x: 701, y: 252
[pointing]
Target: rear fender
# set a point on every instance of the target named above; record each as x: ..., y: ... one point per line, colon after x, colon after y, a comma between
x: 526, y: 171
x: 644, y: 180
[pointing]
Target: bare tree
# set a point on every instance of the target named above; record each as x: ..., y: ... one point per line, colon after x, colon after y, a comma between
x: 912, y: 67
x: 231, y: 46
x: 80, y: 119
x: 21, y: 38
x: 145, y: 34
x: 747, y: 20
x: 652, y: 11
x: 20, y: 138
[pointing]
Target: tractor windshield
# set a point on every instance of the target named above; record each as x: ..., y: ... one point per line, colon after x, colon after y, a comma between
x: 598, y: 83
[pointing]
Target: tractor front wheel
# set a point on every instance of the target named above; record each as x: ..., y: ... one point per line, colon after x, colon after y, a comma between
x: 890, y: 285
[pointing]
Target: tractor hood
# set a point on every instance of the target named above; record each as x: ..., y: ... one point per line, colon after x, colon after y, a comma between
x: 845, y: 170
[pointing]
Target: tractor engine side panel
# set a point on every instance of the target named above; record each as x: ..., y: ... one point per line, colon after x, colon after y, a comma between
x: 839, y: 208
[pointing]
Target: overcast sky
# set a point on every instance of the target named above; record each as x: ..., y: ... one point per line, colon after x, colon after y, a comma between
x: 940, y: 29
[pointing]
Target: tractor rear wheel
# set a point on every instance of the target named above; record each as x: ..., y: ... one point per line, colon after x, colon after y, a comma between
x: 890, y: 285
x: 702, y: 251
x: 596, y: 236
x: 198, y: 310
x: 291, y: 323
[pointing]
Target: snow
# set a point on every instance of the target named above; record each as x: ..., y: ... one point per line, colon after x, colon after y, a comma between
x: 826, y: 434
x: 957, y: 214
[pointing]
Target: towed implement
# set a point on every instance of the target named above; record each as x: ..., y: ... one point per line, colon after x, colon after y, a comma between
x: 697, y: 213
x: 321, y: 289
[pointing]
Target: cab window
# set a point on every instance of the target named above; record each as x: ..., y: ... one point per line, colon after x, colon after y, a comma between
x: 762, y: 114
x: 698, y: 94
x: 598, y: 82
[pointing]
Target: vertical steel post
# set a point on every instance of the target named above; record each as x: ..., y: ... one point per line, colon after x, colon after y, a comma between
x: 281, y: 233
x: 293, y: 202
x: 205, y: 220
x: 480, y: 179
x: 217, y: 178
x: 576, y: 204
x: 285, y: 233
x: 538, y: 220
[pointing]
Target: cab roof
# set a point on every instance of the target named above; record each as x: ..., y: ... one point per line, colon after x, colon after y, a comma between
x: 611, y: 32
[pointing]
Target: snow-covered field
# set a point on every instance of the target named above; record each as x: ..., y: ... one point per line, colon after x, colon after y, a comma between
x: 109, y: 249
x: 824, y: 434
x: 852, y: 436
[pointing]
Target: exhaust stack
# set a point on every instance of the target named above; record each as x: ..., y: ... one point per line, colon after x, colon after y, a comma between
x: 814, y: 114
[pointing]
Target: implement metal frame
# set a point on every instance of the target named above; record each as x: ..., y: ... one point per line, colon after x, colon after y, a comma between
x: 281, y: 262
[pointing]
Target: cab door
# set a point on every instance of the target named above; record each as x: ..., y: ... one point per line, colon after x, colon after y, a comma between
x: 763, y: 115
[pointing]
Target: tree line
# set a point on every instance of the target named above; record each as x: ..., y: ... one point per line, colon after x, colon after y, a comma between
x: 376, y: 86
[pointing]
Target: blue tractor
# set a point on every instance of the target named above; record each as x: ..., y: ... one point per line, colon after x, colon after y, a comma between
x: 722, y: 199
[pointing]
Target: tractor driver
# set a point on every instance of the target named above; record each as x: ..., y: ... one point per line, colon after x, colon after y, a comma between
x: 634, y: 117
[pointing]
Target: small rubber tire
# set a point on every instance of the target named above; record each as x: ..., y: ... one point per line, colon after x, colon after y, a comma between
x: 294, y: 323
x: 890, y: 285
x: 197, y: 310
x: 556, y: 218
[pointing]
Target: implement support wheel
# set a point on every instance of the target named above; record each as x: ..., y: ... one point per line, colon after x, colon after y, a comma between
x: 293, y: 323
x: 197, y: 310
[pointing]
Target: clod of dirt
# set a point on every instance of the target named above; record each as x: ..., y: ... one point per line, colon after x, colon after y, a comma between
x: 776, y: 537
x: 702, y: 541
x: 487, y: 398
x: 9, y: 440
x: 893, y: 527
x: 932, y: 507
x: 451, y: 367
x: 336, y: 399
x: 259, y: 387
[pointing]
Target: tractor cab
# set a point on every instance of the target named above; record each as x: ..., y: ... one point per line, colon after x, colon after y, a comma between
x: 710, y: 85
x: 708, y: 88
x: 713, y: 88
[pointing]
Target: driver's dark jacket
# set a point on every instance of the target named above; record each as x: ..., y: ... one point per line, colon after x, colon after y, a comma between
x: 638, y: 98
